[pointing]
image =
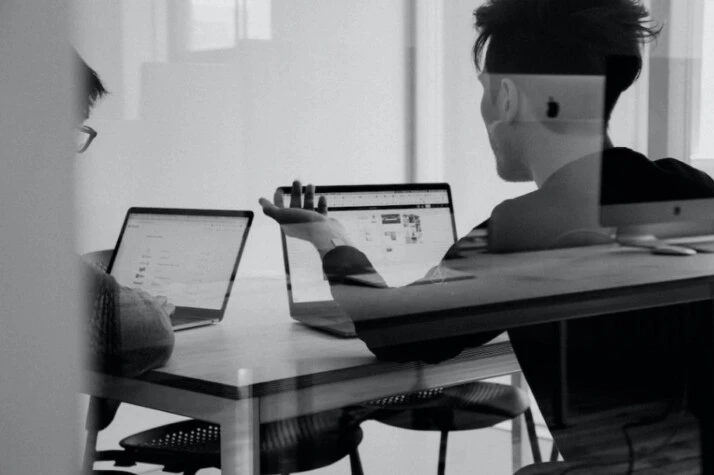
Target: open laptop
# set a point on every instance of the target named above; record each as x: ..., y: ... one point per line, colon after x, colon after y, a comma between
x: 189, y: 256
x: 404, y: 230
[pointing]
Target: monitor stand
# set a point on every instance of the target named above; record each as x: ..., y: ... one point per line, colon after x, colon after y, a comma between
x: 639, y: 236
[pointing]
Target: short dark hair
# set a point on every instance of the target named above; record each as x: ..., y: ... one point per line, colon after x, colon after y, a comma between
x: 90, y: 87
x: 566, y: 37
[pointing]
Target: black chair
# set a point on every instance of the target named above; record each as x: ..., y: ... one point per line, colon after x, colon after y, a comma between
x: 100, y: 414
x: 468, y: 406
x: 294, y: 445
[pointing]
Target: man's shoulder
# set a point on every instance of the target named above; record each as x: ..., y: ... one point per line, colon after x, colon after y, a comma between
x: 621, y: 160
x: 629, y: 176
x: 91, y: 274
x: 526, y: 208
x: 672, y: 165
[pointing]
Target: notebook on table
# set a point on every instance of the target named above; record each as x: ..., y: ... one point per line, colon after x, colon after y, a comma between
x: 404, y: 230
x: 189, y: 256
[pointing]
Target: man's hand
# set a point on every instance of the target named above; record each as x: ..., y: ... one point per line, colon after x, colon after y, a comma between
x: 165, y: 305
x: 303, y: 221
x: 159, y: 302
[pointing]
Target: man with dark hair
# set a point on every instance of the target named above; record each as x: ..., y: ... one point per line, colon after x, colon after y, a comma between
x: 560, y: 37
x: 90, y: 89
x: 613, y: 361
x: 129, y: 331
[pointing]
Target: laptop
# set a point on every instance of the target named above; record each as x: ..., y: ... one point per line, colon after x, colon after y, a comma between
x: 189, y: 256
x: 404, y: 230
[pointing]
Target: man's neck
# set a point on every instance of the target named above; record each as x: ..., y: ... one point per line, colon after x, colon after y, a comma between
x: 555, y: 151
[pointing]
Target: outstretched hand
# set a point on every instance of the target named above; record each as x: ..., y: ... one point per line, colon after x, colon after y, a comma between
x: 303, y: 221
x: 297, y: 212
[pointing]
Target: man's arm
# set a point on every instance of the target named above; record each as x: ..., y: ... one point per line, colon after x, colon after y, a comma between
x: 129, y: 332
x: 147, y: 335
x: 371, y: 304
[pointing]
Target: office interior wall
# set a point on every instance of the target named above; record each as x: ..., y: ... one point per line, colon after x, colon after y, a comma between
x: 680, y: 93
x: 319, y: 90
x: 290, y: 89
x: 38, y: 278
x: 469, y: 164
x: 703, y: 141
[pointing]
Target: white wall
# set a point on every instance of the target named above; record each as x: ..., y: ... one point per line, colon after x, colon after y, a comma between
x: 323, y: 100
x: 38, y: 288
x: 704, y: 147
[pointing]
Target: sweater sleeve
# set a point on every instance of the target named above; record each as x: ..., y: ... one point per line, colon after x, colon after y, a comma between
x: 147, y: 335
x: 370, y: 302
x: 128, y: 332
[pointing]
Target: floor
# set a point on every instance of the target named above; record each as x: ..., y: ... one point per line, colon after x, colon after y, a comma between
x: 384, y: 450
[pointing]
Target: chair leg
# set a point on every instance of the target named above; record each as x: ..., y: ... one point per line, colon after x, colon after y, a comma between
x: 554, y: 453
x: 530, y: 425
x: 441, y: 468
x: 355, y: 463
x: 90, y: 449
x: 100, y: 413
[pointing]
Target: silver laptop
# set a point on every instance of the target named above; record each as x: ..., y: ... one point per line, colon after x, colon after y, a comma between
x: 189, y: 256
x: 404, y: 230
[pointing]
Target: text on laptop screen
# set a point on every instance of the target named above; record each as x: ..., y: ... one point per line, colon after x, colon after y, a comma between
x: 187, y: 259
x: 403, y: 233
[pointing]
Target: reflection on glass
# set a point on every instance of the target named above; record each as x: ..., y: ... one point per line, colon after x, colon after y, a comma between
x: 218, y: 24
x: 256, y: 19
x: 212, y: 24
x: 704, y: 146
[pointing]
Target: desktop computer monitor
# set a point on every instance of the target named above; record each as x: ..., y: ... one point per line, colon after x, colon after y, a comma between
x: 682, y: 202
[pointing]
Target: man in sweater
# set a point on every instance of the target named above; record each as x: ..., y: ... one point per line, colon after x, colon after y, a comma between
x: 128, y: 331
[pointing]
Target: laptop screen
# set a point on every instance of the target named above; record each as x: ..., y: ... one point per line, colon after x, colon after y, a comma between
x: 404, y: 231
x: 188, y: 258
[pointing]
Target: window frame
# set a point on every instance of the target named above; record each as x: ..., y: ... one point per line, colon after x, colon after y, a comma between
x: 675, y: 80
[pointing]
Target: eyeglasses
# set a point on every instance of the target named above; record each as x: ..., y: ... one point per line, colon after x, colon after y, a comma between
x: 84, y: 136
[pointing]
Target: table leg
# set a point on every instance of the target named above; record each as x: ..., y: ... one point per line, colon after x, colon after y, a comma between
x: 706, y: 423
x: 240, y: 435
x: 560, y: 397
x: 518, y: 432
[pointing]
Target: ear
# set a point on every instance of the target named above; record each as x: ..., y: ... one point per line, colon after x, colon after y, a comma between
x: 508, y: 100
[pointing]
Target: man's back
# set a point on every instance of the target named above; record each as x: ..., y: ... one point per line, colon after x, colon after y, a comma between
x: 620, y: 360
x: 565, y: 212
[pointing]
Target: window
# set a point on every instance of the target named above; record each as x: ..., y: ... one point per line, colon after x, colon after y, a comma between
x: 212, y: 25
x: 218, y: 24
x: 681, y: 96
x: 703, y: 139
x: 215, y: 103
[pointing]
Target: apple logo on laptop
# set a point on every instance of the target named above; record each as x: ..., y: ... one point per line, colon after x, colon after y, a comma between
x: 553, y: 108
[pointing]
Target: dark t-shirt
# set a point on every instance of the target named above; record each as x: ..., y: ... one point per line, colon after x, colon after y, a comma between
x: 630, y: 177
